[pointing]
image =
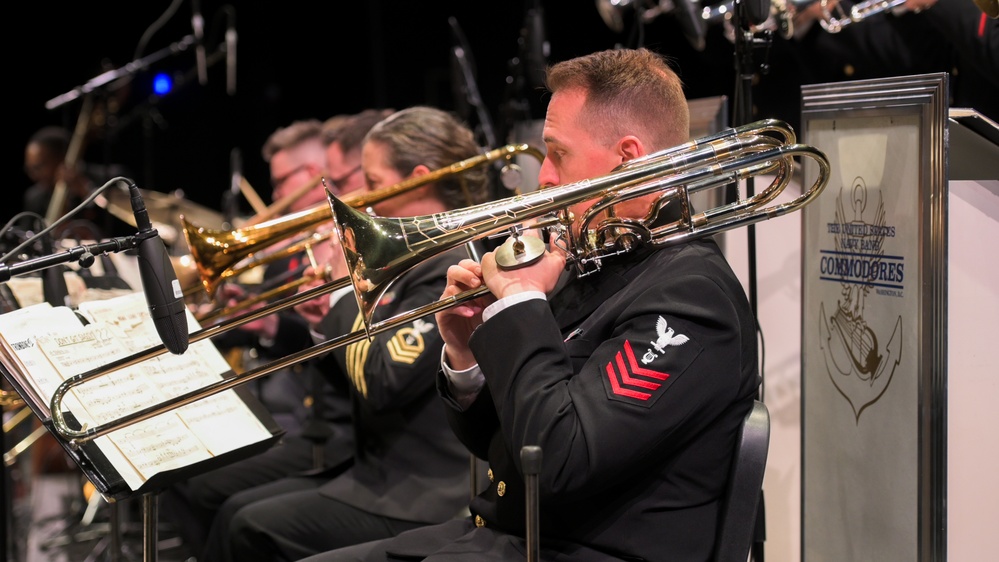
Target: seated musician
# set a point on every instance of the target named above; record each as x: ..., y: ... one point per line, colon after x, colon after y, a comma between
x: 312, y: 409
x: 633, y: 379
x: 409, y: 469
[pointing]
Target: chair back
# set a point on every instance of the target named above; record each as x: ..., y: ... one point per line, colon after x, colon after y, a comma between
x: 737, y: 523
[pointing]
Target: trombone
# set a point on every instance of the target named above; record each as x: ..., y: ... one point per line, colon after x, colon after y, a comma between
x: 379, y: 250
x: 218, y: 254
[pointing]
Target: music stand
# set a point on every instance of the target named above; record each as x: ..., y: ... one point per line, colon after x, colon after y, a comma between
x: 110, y: 484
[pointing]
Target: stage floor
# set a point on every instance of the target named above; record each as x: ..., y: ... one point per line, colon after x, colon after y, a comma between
x: 53, y: 522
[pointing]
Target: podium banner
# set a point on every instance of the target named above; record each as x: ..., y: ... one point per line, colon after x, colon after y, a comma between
x: 873, y: 402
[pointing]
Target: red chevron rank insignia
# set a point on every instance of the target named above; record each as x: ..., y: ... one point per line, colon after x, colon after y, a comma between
x: 624, y: 371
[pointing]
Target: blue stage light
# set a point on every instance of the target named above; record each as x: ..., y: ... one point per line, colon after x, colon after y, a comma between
x: 162, y: 84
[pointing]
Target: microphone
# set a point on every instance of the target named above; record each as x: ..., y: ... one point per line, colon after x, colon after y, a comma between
x: 536, y: 46
x: 230, y: 53
x: 198, y: 25
x: 230, y: 205
x: 159, y: 281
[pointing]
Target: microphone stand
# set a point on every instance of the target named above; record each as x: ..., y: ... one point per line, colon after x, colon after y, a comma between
x: 113, y: 75
x: 745, y: 68
x: 85, y: 256
x: 461, y: 53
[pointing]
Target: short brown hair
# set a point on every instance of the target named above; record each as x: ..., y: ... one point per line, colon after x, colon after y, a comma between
x: 292, y: 135
x: 628, y: 91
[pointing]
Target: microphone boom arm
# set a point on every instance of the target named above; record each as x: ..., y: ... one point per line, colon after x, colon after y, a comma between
x: 129, y: 69
x: 84, y: 255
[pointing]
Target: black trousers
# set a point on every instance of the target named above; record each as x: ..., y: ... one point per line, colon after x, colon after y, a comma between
x: 301, y: 522
x: 192, y: 505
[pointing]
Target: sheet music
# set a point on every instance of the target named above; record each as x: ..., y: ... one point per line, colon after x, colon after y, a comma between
x: 29, y: 290
x: 161, y: 443
x: 52, y: 344
x: 20, y: 329
x: 176, y: 375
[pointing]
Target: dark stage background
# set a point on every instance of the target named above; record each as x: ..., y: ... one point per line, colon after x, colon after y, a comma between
x: 295, y: 59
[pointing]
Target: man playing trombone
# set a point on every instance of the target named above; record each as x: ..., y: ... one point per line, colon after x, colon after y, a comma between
x: 314, y: 413
x: 409, y: 468
x: 633, y: 379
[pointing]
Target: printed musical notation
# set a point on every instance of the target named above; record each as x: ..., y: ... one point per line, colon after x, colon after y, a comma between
x: 45, y: 345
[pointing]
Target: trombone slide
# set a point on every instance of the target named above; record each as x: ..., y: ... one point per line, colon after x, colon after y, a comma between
x: 379, y: 250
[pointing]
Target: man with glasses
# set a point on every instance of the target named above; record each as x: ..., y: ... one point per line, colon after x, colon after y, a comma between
x: 343, y: 136
x: 314, y: 414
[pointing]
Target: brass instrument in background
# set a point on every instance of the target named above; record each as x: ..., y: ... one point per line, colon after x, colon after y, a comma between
x: 10, y: 400
x: 843, y: 13
x: 835, y: 15
x: 380, y: 250
x: 218, y: 253
x: 278, y: 207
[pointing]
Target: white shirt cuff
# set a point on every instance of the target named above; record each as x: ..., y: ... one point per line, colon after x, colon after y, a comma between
x: 506, y: 302
x: 465, y: 384
x: 338, y: 294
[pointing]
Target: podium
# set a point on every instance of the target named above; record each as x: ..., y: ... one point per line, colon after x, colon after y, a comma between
x: 854, y: 496
x: 896, y: 364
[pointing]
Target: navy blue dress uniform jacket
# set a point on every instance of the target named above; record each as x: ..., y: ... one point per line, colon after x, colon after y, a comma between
x: 408, y: 464
x: 634, y: 382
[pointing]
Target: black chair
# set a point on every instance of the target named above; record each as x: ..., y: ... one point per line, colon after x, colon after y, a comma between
x: 737, y: 524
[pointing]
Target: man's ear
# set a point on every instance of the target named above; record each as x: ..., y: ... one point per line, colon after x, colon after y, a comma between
x: 630, y: 147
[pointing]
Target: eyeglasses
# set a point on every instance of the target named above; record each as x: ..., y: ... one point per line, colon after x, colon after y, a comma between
x: 337, y: 183
x: 278, y: 182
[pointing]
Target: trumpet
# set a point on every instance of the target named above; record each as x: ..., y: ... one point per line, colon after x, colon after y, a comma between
x: 379, y: 250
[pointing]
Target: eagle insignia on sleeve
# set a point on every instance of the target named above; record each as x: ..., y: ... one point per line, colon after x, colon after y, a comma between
x: 666, y: 336
x: 631, y: 378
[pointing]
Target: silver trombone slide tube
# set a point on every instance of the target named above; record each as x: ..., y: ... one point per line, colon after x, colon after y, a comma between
x: 738, y: 213
x: 77, y: 437
x: 55, y: 406
x: 409, y: 241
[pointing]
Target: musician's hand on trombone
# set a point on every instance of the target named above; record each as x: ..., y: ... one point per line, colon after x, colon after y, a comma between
x: 327, y: 263
x: 457, y: 323
x: 265, y: 327
x: 541, y: 275
x: 313, y: 310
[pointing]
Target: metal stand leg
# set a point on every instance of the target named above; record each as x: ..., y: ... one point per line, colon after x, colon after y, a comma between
x: 149, y: 527
x: 530, y: 460
x: 115, y: 519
